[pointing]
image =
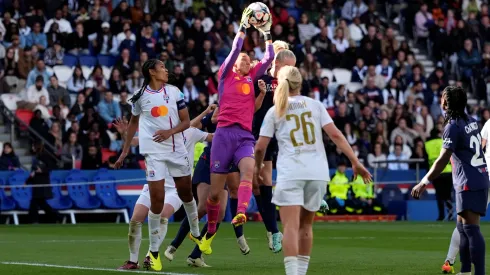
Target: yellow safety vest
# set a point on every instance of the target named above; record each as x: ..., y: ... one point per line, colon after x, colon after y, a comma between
x: 361, y: 189
x: 339, y: 186
x: 433, y: 148
x: 198, y: 149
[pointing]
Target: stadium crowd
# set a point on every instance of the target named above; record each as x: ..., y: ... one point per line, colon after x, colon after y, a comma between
x: 387, y: 111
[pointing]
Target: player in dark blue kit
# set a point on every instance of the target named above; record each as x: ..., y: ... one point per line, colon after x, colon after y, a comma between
x: 462, y: 142
x: 263, y: 186
x: 201, y: 181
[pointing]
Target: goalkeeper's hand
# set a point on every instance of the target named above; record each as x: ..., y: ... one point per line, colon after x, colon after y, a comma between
x: 266, y: 28
x: 245, y: 16
x: 324, y: 207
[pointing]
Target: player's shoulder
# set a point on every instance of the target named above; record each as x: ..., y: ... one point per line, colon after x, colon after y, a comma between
x: 174, y: 90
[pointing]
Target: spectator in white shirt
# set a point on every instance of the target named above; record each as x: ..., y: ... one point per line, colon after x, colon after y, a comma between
x: 190, y: 91
x: 182, y: 5
x: 377, y: 155
x: 357, y: 31
x: 339, y: 41
x: 306, y: 29
x: 353, y: 9
x: 406, y: 133
x: 385, y: 70
x: 397, y: 156
x: 64, y: 25
x: 37, y: 97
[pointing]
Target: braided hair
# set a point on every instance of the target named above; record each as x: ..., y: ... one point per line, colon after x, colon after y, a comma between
x: 149, y: 64
x: 455, y: 101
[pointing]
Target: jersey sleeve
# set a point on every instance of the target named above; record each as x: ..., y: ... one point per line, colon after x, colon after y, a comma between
x: 450, y: 137
x: 179, y: 98
x: 484, y: 131
x: 267, y: 128
x: 324, y: 116
x: 136, y: 109
x: 194, y: 135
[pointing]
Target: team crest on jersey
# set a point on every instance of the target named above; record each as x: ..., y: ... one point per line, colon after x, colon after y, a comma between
x: 166, y: 98
x: 217, y: 164
x: 249, y: 79
x: 150, y: 173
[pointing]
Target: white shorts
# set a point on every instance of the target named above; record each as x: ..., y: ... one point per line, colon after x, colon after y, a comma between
x: 171, y: 197
x: 306, y: 193
x: 174, y: 163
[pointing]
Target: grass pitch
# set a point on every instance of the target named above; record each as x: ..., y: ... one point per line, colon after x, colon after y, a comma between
x: 339, y: 248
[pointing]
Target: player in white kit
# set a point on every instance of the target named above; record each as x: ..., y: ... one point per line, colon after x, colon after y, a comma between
x: 160, y: 114
x: 447, y: 267
x: 302, y: 167
x: 142, y: 206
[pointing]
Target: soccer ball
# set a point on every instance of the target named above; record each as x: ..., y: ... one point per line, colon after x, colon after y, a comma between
x: 260, y: 14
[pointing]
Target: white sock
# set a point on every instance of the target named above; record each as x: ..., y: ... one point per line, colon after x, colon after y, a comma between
x: 191, y: 211
x: 303, y: 262
x: 134, y: 240
x: 291, y: 265
x: 163, y: 230
x: 154, y: 231
x: 453, y: 247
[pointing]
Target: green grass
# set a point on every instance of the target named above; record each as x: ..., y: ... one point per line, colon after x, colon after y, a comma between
x: 339, y: 248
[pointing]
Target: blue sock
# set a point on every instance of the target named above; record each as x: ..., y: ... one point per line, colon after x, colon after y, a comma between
x: 233, y: 209
x: 196, y: 253
x: 464, y: 249
x: 476, y: 247
x: 182, y: 233
x: 269, y: 209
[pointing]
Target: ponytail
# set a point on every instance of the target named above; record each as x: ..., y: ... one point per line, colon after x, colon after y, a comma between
x: 149, y: 64
x: 289, y: 81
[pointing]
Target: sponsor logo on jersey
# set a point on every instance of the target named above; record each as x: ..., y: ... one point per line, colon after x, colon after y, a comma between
x: 159, y: 111
x: 217, y: 164
x: 447, y: 141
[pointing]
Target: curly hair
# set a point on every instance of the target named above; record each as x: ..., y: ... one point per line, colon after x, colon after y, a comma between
x: 455, y: 101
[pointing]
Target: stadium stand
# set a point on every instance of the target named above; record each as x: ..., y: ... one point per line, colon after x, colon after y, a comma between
x: 379, y: 70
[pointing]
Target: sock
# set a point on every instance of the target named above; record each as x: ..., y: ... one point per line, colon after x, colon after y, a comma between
x: 260, y: 206
x: 477, y: 247
x: 134, y: 240
x: 291, y: 265
x: 191, y: 211
x: 182, y: 233
x: 163, y: 230
x: 269, y: 209
x: 244, y: 195
x: 303, y: 262
x: 154, y: 230
x: 233, y: 208
x: 453, y: 247
x: 464, y: 249
x: 196, y: 252
x: 213, y: 214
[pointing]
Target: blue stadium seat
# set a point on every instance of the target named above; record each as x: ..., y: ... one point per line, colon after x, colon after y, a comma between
x: 20, y: 193
x: 106, y: 60
x: 80, y: 194
x: 70, y: 60
x: 391, y: 192
x: 107, y: 191
x: 59, y: 202
x: 295, y: 13
x: 6, y: 203
x: 87, y: 60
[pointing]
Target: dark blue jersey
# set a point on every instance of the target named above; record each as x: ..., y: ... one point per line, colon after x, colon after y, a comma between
x: 468, y: 163
x: 208, y: 126
x: 271, y: 84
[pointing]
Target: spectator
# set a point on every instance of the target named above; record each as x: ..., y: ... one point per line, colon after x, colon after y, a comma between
x: 106, y: 42
x: 198, y: 105
x: 190, y: 91
x: 389, y: 44
x: 34, y: 38
x: 38, y: 124
x: 393, y: 90
x: 92, y: 159
x: 359, y: 71
x: 423, y: 21
x: 72, y: 147
x: 124, y: 64
x: 101, y: 10
x: 37, y: 97
x: 148, y: 42
x: 98, y: 81
x: 57, y: 93
x: 116, y: 82
x: 9, y: 160
x: 76, y: 83
x: 353, y: 9
x: 341, y: 117
x: 371, y: 38
x: 376, y: 155
x: 54, y: 55
x: 64, y: 25
x: 357, y: 31
x: 124, y: 105
x: 425, y: 120
x: 397, y: 156
x: 54, y: 34
x: 371, y: 92
x: 78, y: 41
x: 379, y: 80
x: 349, y: 134
x: 419, y: 153
x: 468, y: 59
x: 385, y: 70
x: 108, y: 108
x: 339, y: 41
x: 306, y: 29
x: 12, y: 72
x: 135, y: 82
x: 406, y: 133
x: 39, y: 70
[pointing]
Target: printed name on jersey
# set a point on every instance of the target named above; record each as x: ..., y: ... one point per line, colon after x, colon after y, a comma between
x: 248, y: 78
x: 447, y: 141
x: 471, y: 127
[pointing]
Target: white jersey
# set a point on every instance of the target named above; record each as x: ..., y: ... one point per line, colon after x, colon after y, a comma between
x: 191, y: 137
x: 159, y: 110
x: 485, y: 134
x: 299, y: 135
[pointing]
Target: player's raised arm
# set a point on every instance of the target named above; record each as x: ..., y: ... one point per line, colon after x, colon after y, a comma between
x: 259, y: 69
x: 196, y: 122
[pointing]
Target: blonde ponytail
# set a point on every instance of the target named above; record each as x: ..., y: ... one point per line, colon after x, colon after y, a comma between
x: 289, y: 81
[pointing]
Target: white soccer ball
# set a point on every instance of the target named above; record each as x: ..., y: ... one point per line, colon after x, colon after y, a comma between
x: 260, y: 14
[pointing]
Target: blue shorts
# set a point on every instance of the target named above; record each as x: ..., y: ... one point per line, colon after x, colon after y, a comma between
x: 202, y: 172
x: 475, y: 201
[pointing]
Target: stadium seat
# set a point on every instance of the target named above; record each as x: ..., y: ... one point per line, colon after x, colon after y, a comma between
x: 24, y: 115
x: 105, y: 188
x: 10, y: 101
x: 80, y: 194
x: 107, y: 72
x: 331, y: 112
x: 106, y: 154
x: 327, y: 73
x: 49, y: 70
x: 87, y: 60
x: 342, y: 76
x: 78, y: 164
x: 64, y: 73
x: 6, y: 203
x: 106, y: 60
x: 295, y: 13
x: 142, y: 164
x: 353, y: 87
x: 20, y: 193
x: 70, y: 60
x: 59, y: 202
x: 87, y: 71
x: 391, y: 192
